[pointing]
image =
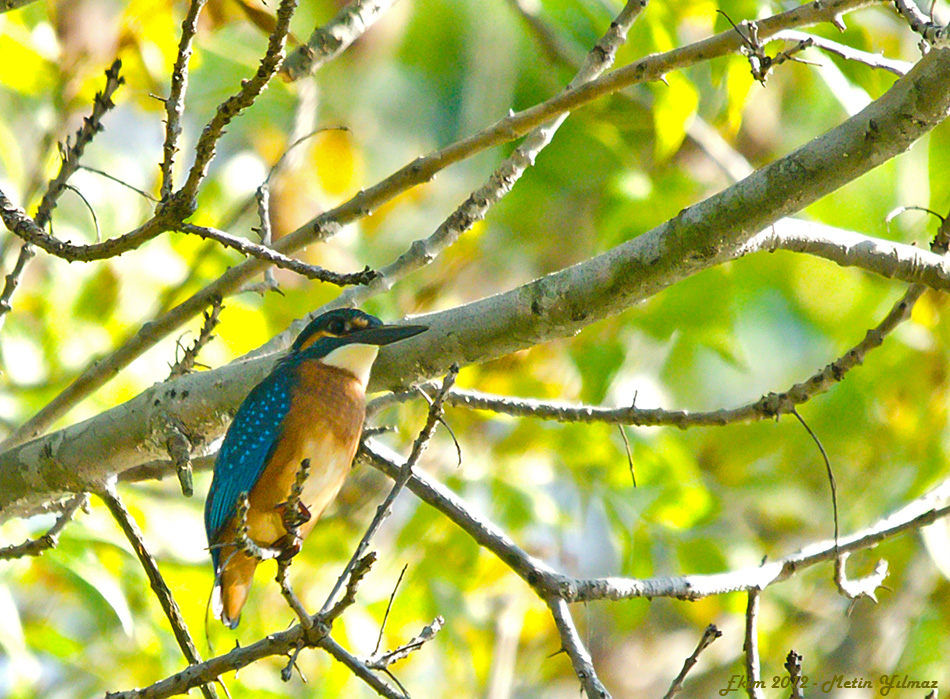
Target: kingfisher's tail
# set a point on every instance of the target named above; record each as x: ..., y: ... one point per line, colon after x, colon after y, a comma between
x: 232, y: 584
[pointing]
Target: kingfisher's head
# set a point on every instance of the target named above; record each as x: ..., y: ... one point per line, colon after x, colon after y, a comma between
x: 349, y: 339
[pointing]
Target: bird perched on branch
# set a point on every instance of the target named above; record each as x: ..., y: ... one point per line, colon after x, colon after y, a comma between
x: 310, y: 408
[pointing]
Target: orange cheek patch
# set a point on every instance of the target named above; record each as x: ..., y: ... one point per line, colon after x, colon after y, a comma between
x: 313, y: 338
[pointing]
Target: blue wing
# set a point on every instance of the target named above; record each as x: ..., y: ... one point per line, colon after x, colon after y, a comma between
x: 246, y: 449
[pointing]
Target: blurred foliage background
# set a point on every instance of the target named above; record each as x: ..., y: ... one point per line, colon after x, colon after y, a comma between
x: 81, y: 620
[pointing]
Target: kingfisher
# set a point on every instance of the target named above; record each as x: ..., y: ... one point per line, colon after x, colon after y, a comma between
x: 310, y: 407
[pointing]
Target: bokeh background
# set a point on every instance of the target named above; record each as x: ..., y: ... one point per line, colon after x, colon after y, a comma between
x: 81, y: 620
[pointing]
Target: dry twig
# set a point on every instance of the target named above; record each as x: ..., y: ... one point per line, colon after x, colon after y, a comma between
x: 126, y: 522
x: 34, y: 547
x: 709, y: 635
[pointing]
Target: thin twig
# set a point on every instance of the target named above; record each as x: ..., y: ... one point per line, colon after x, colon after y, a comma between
x: 761, y: 63
x: 423, y: 169
x: 418, y: 447
x: 359, y: 571
x: 709, y: 635
x: 12, y: 281
x: 34, y: 547
x: 832, y: 483
x: 175, y: 102
x: 262, y: 196
x: 750, y: 646
x: 793, y: 663
x: 186, y: 363
x: 389, y: 606
x: 72, y: 152
x: 17, y: 220
x: 574, y: 647
x: 358, y: 668
x: 626, y: 448
x: 330, y: 40
x: 872, y: 60
x: 92, y: 211
x: 262, y: 252
x: 183, y: 202
x: 118, y: 180
x: 381, y: 661
x: 283, y: 569
x: 110, y: 496
x: 242, y: 538
x: 294, y: 514
x: 21, y: 225
x: 933, y: 34
x: 179, y: 449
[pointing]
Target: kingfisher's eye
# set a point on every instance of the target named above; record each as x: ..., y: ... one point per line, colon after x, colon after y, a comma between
x: 336, y: 326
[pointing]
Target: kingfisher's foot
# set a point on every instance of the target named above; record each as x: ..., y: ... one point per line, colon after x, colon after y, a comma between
x: 293, y: 515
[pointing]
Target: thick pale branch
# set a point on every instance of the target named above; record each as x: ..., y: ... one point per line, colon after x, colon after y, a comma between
x: 557, y: 305
x: 902, y: 126
x: 476, y: 207
x: 849, y: 249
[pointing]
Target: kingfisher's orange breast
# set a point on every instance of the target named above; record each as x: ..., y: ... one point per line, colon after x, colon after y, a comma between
x: 323, y: 424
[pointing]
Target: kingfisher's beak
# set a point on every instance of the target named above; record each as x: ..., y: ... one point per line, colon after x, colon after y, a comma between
x: 385, y: 334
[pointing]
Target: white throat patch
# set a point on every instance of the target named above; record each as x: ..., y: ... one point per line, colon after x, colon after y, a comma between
x: 356, y: 359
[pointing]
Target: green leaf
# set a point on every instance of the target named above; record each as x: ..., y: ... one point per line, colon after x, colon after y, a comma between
x: 939, y: 168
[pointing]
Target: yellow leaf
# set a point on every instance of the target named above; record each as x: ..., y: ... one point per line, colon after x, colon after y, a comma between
x: 673, y: 110
x: 337, y: 161
x: 738, y: 83
x: 23, y: 69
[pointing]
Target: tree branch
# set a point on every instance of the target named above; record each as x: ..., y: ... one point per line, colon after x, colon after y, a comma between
x: 262, y: 252
x: 333, y: 38
x: 557, y: 305
x: 933, y: 34
x: 123, y: 518
x: 709, y: 635
x: 548, y: 582
x: 34, y: 547
x: 898, y: 121
x: 419, y: 446
x: 182, y: 203
x: 175, y: 103
x: 750, y: 645
x: 886, y: 258
x: 476, y: 207
x: 20, y: 224
x: 872, y: 60
x: 574, y: 647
